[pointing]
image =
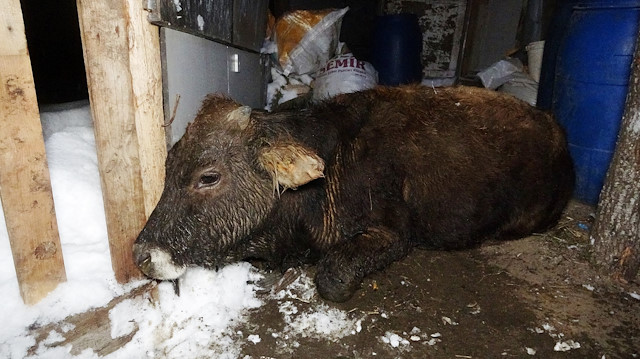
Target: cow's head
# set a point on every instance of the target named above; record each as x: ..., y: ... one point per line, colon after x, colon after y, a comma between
x: 222, y: 181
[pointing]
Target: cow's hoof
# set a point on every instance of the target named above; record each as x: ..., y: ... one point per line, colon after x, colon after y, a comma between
x: 336, y: 286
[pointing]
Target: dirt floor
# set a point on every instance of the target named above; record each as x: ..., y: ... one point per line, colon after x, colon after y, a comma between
x: 537, y: 297
x: 509, y: 299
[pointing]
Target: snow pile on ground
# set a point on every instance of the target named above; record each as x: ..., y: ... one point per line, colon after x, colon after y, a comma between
x: 319, y: 321
x: 198, y: 323
x: 79, y: 209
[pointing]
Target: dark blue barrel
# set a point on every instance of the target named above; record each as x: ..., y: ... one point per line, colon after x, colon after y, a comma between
x: 590, y: 87
x: 555, y: 34
x: 397, y: 48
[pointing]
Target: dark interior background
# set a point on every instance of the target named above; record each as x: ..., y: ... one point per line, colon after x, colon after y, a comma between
x: 53, y: 37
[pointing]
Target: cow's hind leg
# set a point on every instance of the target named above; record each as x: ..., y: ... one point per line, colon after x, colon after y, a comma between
x: 342, y: 268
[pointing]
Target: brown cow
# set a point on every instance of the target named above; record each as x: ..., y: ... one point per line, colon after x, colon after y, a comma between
x: 355, y: 182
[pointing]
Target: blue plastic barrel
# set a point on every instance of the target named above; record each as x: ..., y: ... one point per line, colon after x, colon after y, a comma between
x: 396, y: 49
x: 590, y: 88
x: 555, y: 34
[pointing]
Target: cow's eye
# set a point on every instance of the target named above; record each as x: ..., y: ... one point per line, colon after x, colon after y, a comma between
x: 208, y: 179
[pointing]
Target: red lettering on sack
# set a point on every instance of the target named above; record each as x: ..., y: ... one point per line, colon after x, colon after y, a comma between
x: 350, y: 62
x: 342, y: 63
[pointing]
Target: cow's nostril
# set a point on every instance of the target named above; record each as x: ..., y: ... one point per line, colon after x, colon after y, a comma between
x: 141, y: 255
x: 144, y: 259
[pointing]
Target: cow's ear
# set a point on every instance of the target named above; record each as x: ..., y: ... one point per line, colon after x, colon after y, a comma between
x: 291, y: 165
x: 239, y: 117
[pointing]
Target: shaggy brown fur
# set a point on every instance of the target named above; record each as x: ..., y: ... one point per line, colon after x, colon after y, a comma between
x: 376, y: 172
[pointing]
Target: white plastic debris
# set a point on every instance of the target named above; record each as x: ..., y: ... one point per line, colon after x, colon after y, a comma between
x: 500, y: 72
x: 522, y: 86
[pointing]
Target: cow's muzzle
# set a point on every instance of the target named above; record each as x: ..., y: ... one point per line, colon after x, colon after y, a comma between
x: 155, y: 262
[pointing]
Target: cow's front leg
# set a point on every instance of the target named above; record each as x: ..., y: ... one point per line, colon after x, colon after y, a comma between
x: 342, y: 268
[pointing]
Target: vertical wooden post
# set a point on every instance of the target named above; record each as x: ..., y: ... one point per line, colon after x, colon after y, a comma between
x: 122, y: 60
x: 25, y: 187
x: 146, y: 81
x: 616, y: 231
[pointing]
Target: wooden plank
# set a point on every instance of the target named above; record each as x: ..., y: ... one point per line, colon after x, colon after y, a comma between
x: 207, y: 18
x: 121, y: 53
x: 91, y: 329
x: 146, y: 78
x: 25, y: 187
x: 250, y: 23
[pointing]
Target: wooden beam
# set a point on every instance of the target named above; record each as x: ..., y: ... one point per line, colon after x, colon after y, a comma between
x: 25, y: 187
x: 122, y: 61
x: 146, y: 80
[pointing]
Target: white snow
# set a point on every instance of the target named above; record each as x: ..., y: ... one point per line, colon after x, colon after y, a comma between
x: 319, y: 321
x: 322, y: 322
x: 394, y: 340
x: 302, y: 289
x: 254, y: 338
x: 79, y: 209
x: 566, y: 346
x: 198, y: 323
x: 588, y: 287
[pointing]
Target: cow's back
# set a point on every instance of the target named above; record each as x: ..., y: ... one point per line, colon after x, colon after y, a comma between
x: 468, y: 163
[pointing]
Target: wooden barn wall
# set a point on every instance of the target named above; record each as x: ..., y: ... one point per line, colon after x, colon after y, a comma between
x: 241, y: 23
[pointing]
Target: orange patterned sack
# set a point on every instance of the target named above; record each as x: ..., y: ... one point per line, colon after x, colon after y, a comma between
x: 291, y: 28
x: 307, y: 39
